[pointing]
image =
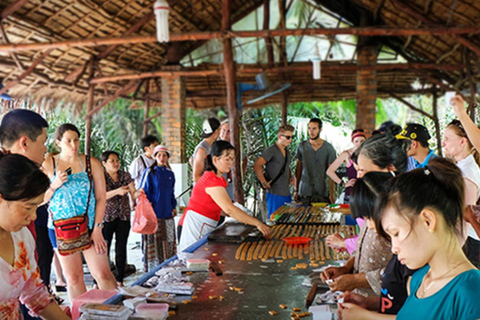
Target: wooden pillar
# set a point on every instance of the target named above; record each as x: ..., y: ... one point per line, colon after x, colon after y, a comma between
x: 436, y: 122
x: 284, y: 107
x: 473, y: 87
x: 147, y: 108
x: 233, y: 112
x: 366, y: 94
x: 266, y: 26
x: 174, y: 115
x: 90, y: 101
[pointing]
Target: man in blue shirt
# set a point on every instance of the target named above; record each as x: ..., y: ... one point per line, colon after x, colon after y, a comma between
x: 418, y: 152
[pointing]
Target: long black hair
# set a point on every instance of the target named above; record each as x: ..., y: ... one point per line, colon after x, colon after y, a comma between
x: 21, y: 178
x: 439, y: 186
x: 218, y: 149
x: 365, y: 193
x: 64, y: 128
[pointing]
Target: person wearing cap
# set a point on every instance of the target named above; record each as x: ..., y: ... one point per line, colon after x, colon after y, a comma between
x: 211, y: 132
x: 358, y: 137
x: 158, y: 183
x: 119, y: 184
x: 314, y: 156
x: 417, y: 137
x: 276, y: 160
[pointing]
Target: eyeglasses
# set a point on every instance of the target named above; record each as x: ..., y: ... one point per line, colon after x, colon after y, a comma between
x: 287, y: 137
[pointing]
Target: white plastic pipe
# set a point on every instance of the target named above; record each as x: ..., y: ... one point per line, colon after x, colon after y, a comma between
x: 161, y: 10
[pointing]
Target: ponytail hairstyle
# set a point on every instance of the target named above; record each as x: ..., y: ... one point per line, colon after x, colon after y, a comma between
x: 438, y: 187
x: 385, y: 150
x: 20, y: 178
x: 366, y: 191
x: 459, y: 130
x: 218, y: 149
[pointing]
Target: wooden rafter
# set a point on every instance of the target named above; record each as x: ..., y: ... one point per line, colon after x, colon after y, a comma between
x: 123, y: 91
x: 12, y: 54
x: 12, y: 8
x: 419, y: 16
x: 208, y: 35
x: 246, y: 69
x: 26, y: 72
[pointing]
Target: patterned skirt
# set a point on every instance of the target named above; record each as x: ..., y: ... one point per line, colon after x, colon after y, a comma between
x: 159, y: 246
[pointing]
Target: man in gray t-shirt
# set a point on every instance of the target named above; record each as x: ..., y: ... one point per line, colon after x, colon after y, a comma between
x: 314, y: 156
x: 277, y: 166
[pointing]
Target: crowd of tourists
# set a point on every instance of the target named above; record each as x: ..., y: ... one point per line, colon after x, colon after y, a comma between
x: 416, y: 256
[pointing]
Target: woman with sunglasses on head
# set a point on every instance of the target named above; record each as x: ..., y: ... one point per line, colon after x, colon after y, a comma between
x: 78, y: 190
x: 209, y: 198
x: 22, y: 188
x: 457, y: 145
x: 420, y: 214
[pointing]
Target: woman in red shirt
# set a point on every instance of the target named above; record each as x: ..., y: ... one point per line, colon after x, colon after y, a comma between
x: 210, y: 198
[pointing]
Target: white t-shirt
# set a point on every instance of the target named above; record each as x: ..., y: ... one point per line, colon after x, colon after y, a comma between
x: 471, y: 171
x: 137, y: 168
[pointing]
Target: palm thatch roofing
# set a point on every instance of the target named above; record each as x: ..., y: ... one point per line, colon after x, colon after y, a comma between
x: 62, y: 72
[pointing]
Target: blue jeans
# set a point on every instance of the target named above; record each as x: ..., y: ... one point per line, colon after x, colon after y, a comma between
x: 274, y: 202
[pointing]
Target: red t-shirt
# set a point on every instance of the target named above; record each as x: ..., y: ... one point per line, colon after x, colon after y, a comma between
x: 200, y: 201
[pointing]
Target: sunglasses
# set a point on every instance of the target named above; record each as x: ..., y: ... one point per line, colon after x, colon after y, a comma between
x: 458, y: 124
x: 287, y: 137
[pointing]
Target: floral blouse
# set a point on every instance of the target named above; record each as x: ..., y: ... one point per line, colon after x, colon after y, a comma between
x: 372, y: 256
x: 118, y: 206
x: 21, y: 282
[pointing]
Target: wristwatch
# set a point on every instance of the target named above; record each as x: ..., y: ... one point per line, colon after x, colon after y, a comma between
x: 99, y: 225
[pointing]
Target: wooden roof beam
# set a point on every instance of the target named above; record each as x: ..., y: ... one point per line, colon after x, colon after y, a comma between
x: 417, y: 15
x: 12, y: 8
x: 26, y: 72
x: 12, y: 54
x: 123, y: 91
x: 208, y: 35
x: 245, y: 69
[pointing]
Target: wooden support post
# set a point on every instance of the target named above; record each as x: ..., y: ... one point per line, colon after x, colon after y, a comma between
x: 147, y: 108
x: 266, y: 26
x: 233, y: 112
x: 436, y: 122
x: 411, y: 106
x: 284, y: 107
x: 473, y: 87
x: 283, y: 25
x: 90, y: 101
x: 26, y: 72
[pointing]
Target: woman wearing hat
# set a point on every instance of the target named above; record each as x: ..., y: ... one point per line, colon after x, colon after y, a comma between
x: 358, y: 136
x: 119, y: 184
x: 158, y: 183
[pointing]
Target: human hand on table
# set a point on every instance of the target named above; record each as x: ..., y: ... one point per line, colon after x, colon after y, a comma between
x: 335, y: 241
x: 265, y: 230
x: 332, y: 273
x: 355, y: 298
x: 344, y: 282
x: 350, y: 311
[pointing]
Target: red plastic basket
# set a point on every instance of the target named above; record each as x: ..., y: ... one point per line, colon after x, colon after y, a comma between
x: 297, y: 240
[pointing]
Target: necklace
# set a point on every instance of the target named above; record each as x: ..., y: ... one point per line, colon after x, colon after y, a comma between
x: 424, y: 291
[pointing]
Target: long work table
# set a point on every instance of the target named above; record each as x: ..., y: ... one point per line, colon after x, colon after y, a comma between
x: 259, y: 279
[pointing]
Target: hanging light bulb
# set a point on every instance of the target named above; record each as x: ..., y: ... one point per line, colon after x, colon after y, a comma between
x: 161, y: 9
x: 316, y: 60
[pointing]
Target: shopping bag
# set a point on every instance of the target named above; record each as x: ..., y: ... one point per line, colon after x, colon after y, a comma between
x: 145, y: 220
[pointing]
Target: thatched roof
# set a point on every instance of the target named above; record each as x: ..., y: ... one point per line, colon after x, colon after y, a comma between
x: 63, y: 74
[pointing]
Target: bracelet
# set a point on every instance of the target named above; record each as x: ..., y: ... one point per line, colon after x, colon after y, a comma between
x: 53, y: 190
x: 264, y: 183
